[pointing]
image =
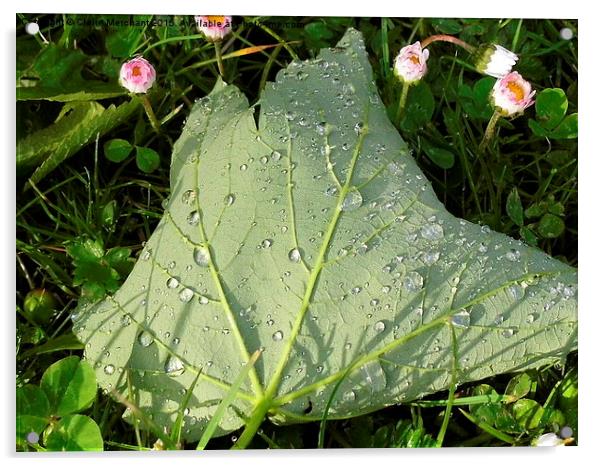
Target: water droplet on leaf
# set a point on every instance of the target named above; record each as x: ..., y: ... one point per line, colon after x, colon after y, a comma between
x: 432, y: 232
x: 186, y: 295
x: 413, y: 282
x: 352, y: 201
x: 172, y: 282
x: 174, y: 366
x: 201, y: 256
x: 294, y: 255
x: 461, y: 319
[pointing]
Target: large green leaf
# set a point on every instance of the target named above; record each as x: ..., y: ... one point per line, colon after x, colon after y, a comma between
x: 317, y: 239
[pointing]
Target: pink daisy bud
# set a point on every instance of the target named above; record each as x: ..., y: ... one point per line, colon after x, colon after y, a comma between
x: 137, y: 75
x: 410, y: 64
x: 215, y: 28
x: 512, y: 94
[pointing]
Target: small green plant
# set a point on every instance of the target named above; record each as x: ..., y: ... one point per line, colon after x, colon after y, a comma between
x: 117, y: 150
x: 551, y: 106
x: 97, y: 271
x: 47, y: 418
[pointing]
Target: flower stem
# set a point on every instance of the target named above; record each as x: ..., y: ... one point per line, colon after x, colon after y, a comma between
x: 490, y: 130
x: 402, y: 101
x: 150, y: 114
x: 447, y: 38
x: 218, y: 56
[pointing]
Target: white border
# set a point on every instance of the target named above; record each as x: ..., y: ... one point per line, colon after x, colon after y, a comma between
x: 590, y: 171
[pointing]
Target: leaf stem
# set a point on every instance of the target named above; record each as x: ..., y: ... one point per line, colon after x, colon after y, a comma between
x: 402, y: 101
x: 452, y: 388
x: 150, y: 113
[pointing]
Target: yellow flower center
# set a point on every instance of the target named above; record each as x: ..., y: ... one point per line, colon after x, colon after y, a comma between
x: 216, y: 19
x: 415, y: 60
x: 136, y: 71
x: 516, y: 90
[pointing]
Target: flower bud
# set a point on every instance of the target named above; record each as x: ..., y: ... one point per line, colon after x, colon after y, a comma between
x: 215, y: 28
x: 410, y: 64
x: 137, y: 75
x: 512, y: 94
x: 494, y: 60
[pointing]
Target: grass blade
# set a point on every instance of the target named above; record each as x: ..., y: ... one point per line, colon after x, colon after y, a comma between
x: 226, y: 401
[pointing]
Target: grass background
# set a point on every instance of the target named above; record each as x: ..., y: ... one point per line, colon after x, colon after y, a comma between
x: 118, y: 204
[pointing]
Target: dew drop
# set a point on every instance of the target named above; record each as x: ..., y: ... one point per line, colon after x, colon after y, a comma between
x: 172, y: 282
x: 201, y: 256
x: 278, y: 336
x: 430, y: 257
x: 174, y: 366
x: 203, y: 299
x: 349, y: 396
x: 513, y: 255
x: 229, y: 199
x: 331, y: 191
x: 516, y: 291
x: 461, y: 319
x: 379, y: 326
x: 193, y: 218
x: 276, y: 156
x: 432, y: 232
x: 294, y: 255
x: 266, y: 243
x: 109, y: 369
x: 413, y: 282
x: 353, y: 200
x: 126, y: 320
x: 186, y: 295
x: 507, y: 333
x: 145, y: 339
x: 189, y: 196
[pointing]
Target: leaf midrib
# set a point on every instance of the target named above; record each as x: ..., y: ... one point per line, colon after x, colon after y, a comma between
x: 256, y: 384
x: 317, y: 268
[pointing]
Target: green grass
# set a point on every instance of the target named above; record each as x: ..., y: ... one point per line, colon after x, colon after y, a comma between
x: 117, y: 205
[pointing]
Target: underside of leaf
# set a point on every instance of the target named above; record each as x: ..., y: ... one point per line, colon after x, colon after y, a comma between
x: 316, y: 239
